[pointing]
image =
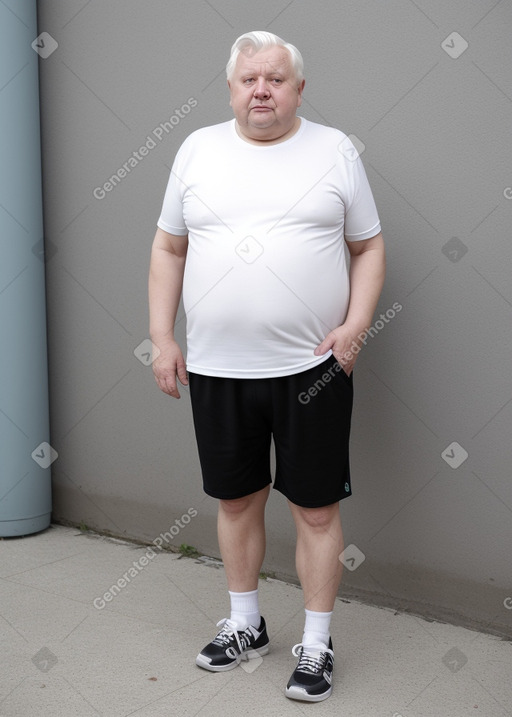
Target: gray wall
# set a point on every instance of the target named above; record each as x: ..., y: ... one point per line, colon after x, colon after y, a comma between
x: 436, y: 538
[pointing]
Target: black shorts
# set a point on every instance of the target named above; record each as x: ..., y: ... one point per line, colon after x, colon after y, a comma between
x: 308, y: 415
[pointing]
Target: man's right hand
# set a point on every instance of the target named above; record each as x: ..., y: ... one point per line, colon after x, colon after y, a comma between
x: 169, y: 364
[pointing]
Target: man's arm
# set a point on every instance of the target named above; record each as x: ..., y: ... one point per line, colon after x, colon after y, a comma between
x: 367, y: 270
x: 167, y: 265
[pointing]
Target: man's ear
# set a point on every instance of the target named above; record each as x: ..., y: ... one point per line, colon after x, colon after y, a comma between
x: 229, y: 86
x: 300, y: 90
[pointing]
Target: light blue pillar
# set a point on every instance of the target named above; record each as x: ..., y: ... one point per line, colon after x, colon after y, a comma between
x: 25, y: 455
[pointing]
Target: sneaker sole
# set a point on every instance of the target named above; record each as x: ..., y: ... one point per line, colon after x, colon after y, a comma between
x: 202, y: 661
x: 296, y: 693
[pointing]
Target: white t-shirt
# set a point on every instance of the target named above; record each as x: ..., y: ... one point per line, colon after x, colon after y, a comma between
x: 265, y: 276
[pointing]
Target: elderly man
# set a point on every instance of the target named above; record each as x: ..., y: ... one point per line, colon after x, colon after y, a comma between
x: 255, y: 220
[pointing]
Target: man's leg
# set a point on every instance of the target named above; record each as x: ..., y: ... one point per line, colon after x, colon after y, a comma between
x: 241, y: 532
x: 233, y: 432
x: 319, y: 544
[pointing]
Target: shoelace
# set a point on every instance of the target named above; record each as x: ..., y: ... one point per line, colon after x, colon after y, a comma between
x: 226, y: 634
x: 313, y: 660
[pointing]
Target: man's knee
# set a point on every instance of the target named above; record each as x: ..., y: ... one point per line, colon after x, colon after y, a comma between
x: 320, y: 518
x: 238, y: 506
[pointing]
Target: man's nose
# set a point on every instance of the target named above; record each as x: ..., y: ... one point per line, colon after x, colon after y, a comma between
x: 261, y: 89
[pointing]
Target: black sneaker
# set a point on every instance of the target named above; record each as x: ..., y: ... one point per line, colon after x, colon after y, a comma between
x: 231, y: 646
x: 311, y: 680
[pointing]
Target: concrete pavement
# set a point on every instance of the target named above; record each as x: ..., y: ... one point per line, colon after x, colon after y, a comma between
x: 91, y: 625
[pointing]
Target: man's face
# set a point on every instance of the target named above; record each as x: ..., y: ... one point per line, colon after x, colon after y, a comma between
x: 265, y: 94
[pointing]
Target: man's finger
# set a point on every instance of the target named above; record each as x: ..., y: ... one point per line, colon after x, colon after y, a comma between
x: 324, y: 347
x: 182, y: 374
x: 166, y: 385
x: 172, y: 389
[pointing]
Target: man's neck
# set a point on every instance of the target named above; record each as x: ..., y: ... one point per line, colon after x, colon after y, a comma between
x: 265, y: 142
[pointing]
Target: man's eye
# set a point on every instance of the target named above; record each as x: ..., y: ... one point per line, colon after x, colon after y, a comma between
x: 277, y: 80
x: 248, y: 81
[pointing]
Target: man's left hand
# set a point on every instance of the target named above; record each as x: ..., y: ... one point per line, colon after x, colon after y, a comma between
x: 345, y: 347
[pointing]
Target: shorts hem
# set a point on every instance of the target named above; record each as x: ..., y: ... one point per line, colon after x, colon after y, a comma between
x: 215, y: 494
x: 310, y: 504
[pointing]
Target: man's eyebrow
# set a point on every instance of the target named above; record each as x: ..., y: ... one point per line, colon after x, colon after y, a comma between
x: 271, y: 71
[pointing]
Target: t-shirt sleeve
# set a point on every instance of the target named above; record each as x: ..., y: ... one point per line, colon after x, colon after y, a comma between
x: 171, y: 217
x: 361, y: 216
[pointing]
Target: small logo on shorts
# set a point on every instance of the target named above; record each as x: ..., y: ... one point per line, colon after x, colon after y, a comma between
x: 347, y: 488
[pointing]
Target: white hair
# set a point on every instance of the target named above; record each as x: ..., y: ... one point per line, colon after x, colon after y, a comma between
x: 261, y: 40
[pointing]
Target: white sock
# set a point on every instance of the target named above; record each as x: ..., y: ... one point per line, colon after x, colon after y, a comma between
x: 244, y: 609
x: 316, y: 629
